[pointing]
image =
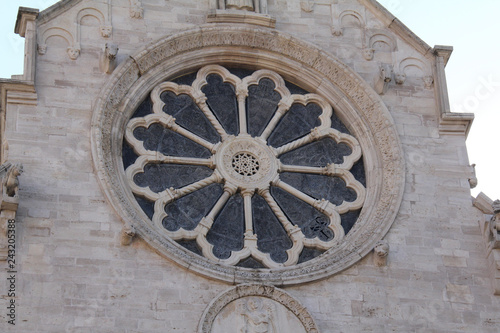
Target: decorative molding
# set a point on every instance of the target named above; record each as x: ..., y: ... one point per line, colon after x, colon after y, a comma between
x: 72, y: 33
x: 73, y: 47
x: 455, y: 123
x: 250, y: 291
x: 256, y: 6
x: 9, y: 202
x: 240, y: 16
x: 26, y: 27
x: 483, y: 203
x: 300, y: 63
x: 13, y: 92
x: 449, y: 123
x: 414, y: 63
x: 339, y: 13
x: 393, y: 23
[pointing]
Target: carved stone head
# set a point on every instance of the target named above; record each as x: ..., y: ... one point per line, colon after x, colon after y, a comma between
x: 381, y: 249
x: 106, y: 31
x: 428, y: 81
x: 368, y: 53
x: 400, y: 78
x: 73, y: 52
x: 42, y: 49
x: 111, y: 50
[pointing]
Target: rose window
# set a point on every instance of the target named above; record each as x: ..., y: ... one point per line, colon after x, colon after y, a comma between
x: 244, y: 168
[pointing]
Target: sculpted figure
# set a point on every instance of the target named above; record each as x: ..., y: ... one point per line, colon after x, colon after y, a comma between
x: 10, y: 183
x: 107, y: 61
x: 240, y: 4
x: 258, y: 318
x: 495, y: 223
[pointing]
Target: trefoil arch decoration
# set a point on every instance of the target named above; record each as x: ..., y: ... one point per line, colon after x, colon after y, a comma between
x: 274, y: 55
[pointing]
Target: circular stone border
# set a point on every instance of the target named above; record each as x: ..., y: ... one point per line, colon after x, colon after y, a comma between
x: 247, y: 290
x: 355, y: 102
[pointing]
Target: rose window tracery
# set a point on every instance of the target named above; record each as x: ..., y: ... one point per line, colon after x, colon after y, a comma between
x: 244, y: 168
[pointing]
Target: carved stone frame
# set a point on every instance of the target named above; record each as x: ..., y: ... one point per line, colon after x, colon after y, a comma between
x: 355, y: 102
x: 246, y: 290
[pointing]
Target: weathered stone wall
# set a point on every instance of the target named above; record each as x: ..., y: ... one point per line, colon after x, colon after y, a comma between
x: 75, y: 276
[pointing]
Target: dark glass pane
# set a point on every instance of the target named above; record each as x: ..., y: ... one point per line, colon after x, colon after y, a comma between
x: 312, y: 222
x: 221, y: 98
x: 169, y: 143
x: 188, y: 211
x: 262, y: 103
x: 188, y: 115
x: 250, y: 263
x: 317, y: 154
x: 271, y: 236
x: 308, y: 254
x: 226, y: 234
x: 296, y: 123
x: 159, y: 177
x: 320, y: 187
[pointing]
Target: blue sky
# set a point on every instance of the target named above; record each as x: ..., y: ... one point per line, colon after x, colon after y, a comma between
x: 473, y: 72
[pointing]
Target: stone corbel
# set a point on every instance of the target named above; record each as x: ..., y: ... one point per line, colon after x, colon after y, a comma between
x: 127, y: 235
x: 383, y: 79
x: 107, y: 61
x: 136, y: 9
x: 400, y: 77
x: 380, y: 253
x: 473, y: 178
x: 307, y: 6
x: 9, y: 201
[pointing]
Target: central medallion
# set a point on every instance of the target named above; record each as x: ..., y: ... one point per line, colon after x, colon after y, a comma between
x: 246, y: 162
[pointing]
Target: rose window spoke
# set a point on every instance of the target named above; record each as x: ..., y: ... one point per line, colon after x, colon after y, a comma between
x: 259, y: 198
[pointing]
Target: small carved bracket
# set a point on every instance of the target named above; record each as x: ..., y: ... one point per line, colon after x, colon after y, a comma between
x: 107, y: 61
x: 136, y: 9
x: 400, y: 78
x: 73, y: 52
x: 428, y: 81
x: 127, y: 235
x: 380, y: 251
x: 473, y: 179
x: 383, y: 79
x: 368, y: 53
x: 307, y: 6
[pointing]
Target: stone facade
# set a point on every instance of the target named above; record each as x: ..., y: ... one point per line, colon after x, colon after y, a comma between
x: 420, y: 256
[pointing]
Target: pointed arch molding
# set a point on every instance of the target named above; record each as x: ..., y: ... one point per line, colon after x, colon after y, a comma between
x: 299, y: 62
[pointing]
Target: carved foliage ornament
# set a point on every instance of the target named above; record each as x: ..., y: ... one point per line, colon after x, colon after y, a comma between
x: 231, y: 159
